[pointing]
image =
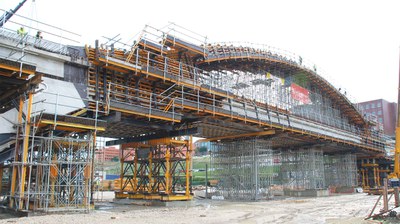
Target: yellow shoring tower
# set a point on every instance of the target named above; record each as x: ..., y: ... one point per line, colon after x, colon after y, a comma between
x: 157, y: 170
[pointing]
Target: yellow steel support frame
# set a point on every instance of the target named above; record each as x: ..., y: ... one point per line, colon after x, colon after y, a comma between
x: 25, y: 150
x: 121, y: 176
x: 150, y: 189
x: 378, y: 179
x: 188, y: 165
x: 15, y: 168
x: 363, y: 178
x: 397, y: 150
x: 168, y: 172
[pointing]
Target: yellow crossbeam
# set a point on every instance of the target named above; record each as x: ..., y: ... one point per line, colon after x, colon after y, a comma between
x: 72, y: 125
x: 80, y: 112
x: 261, y: 133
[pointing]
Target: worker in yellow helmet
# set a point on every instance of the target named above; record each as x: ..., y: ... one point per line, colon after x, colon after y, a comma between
x: 21, y: 31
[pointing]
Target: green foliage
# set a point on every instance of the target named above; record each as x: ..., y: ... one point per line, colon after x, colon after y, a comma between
x: 115, y: 159
x: 201, y: 150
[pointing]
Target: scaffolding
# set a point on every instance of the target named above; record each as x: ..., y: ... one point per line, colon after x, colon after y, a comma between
x: 302, y: 169
x: 244, y: 168
x: 52, y: 167
x: 341, y: 170
x: 249, y: 169
x: 99, y: 169
x: 156, y: 170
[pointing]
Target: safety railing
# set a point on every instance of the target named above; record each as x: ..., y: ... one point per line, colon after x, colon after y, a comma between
x: 172, y: 69
x: 162, y: 106
x: 247, y: 112
x: 38, y: 43
x: 169, y: 68
x: 58, y: 108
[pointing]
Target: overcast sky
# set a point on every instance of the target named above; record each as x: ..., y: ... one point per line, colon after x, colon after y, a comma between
x: 355, y: 43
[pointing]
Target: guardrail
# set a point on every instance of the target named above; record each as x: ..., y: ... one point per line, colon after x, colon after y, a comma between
x: 245, y: 111
x: 146, y: 61
x: 38, y: 43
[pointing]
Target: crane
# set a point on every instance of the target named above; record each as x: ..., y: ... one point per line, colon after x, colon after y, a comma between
x: 8, y: 14
x: 395, y: 175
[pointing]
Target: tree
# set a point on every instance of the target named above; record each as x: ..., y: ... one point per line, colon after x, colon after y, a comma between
x: 115, y: 159
x: 201, y: 150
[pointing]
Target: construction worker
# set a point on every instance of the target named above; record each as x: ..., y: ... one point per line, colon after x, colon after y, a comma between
x: 39, y: 35
x: 21, y: 31
x: 38, y: 39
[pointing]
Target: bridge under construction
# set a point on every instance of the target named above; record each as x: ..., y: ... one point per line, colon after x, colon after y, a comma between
x: 270, y: 117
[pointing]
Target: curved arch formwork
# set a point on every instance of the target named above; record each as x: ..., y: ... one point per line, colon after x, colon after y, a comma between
x: 170, y: 85
x: 173, y: 81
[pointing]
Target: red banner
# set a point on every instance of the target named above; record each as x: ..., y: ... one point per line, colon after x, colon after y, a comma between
x: 300, y: 94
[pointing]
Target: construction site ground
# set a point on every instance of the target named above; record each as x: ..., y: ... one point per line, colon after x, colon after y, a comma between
x: 349, y: 208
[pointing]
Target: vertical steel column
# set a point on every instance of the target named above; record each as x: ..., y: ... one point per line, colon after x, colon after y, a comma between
x: 25, y: 149
x: 150, y: 172
x: 53, y: 179
x: 135, y: 181
x: 363, y: 177
x: 15, y: 168
x: 105, y: 85
x: 121, y: 176
x: 89, y: 169
x: 97, y: 70
x: 167, y: 171
x: 188, y: 159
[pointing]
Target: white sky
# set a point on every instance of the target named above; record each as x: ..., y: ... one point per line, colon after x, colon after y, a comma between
x: 355, y: 43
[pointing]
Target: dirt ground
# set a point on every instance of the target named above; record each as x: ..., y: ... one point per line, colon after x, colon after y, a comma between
x: 334, y: 209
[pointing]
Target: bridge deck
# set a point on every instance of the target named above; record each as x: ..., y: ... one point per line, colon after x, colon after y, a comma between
x: 169, y: 93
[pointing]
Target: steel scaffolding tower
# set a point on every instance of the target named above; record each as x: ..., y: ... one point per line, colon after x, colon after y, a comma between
x: 244, y: 168
x: 52, y: 169
x: 303, y: 169
x: 341, y: 170
x: 247, y: 169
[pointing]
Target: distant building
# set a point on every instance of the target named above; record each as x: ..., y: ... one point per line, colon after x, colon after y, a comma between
x: 384, y: 112
x: 108, y: 153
